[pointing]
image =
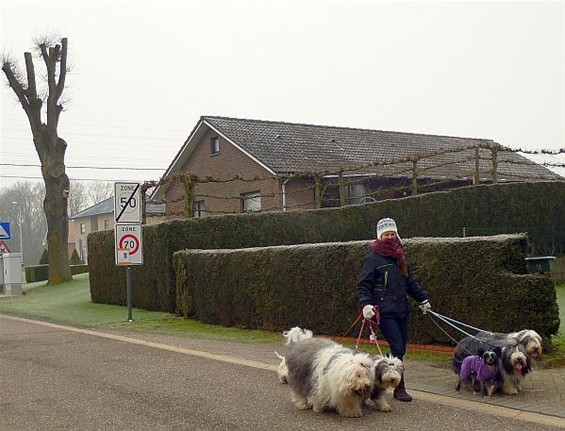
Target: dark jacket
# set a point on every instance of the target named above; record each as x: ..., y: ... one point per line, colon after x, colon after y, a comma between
x: 383, y: 284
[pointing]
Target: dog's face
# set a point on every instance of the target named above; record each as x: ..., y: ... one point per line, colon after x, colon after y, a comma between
x: 516, y: 359
x: 361, y: 376
x: 388, y: 371
x: 531, y: 341
x: 490, y: 357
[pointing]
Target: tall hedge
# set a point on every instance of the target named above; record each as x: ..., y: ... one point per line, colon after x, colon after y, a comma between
x: 535, y: 208
x: 480, y: 281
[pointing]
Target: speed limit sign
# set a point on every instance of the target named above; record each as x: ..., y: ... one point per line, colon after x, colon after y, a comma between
x: 127, y: 202
x: 129, y: 244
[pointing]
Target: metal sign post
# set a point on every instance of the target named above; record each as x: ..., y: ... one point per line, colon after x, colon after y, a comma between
x: 128, y: 290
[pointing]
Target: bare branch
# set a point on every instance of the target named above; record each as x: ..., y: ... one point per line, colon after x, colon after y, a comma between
x: 63, y: 68
x: 15, y: 84
x: 31, y: 85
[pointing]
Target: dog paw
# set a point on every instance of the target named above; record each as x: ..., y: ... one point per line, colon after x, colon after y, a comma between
x: 382, y: 406
x: 318, y: 408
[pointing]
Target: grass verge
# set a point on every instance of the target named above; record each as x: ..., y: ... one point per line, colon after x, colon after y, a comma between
x: 70, y: 304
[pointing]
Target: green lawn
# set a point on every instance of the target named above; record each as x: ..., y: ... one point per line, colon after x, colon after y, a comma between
x: 69, y: 303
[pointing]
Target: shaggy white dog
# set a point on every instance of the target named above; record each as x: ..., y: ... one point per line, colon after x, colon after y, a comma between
x: 325, y: 375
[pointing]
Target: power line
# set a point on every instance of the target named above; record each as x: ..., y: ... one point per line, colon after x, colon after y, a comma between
x: 90, y: 135
x: 26, y: 177
x: 89, y: 167
x: 104, y: 125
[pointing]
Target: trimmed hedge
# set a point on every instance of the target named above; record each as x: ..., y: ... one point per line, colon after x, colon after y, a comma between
x: 481, y: 281
x: 535, y: 208
x: 41, y: 272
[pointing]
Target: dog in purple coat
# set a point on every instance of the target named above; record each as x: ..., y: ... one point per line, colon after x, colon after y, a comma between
x: 481, y: 371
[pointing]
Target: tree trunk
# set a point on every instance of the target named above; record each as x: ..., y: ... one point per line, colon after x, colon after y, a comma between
x: 55, y: 206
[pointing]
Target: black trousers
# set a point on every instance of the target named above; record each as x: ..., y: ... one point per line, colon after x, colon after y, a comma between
x: 395, y: 331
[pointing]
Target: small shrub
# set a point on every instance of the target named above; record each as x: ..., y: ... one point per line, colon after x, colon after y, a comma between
x: 75, y: 258
x: 44, y: 259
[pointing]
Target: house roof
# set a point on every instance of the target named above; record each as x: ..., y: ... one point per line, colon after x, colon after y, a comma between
x: 107, y: 207
x: 104, y: 207
x: 292, y: 148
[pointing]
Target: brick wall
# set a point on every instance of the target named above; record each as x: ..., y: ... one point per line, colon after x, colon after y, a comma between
x: 224, y: 197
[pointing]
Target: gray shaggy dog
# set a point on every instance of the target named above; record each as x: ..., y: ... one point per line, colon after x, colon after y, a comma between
x: 325, y: 375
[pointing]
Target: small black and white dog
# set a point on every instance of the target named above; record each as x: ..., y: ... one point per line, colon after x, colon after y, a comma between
x: 480, y: 371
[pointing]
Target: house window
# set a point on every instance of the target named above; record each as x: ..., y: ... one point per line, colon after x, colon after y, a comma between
x: 199, y: 209
x: 354, y: 193
x: 106, y: 224
x: 215, y: 145
x: 82, y: 228
x: 251, y: 202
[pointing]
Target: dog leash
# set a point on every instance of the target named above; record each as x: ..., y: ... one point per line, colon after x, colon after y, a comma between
x: 372, y: 335
x: 448, y: 321
x: 442, y: 330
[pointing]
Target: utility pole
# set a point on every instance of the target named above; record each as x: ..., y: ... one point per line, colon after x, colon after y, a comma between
x: 20, y: 220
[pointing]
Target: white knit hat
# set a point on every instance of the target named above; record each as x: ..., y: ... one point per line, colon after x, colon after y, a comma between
x: 386, y: 225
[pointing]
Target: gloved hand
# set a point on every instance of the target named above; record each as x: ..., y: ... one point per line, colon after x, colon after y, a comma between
x: 368, y: 312
x: 425, y: 306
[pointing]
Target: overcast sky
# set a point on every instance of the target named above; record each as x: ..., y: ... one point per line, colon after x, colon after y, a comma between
x: 144, y: 72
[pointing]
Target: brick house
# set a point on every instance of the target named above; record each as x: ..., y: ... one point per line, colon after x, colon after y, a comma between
x: 230, y: 165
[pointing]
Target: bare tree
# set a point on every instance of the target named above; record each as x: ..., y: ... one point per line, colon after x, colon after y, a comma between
x: 77, y: 199
x: 49, y: 146
x: 99, y: 191
x: 87, y: 194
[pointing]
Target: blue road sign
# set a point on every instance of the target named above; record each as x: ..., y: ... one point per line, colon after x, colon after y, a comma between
x: 5, y: 230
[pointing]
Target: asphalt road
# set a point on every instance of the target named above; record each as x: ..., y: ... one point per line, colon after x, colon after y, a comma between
x: 53, y: 378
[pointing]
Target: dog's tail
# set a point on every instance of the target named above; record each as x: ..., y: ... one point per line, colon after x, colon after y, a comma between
x: 296, y: 334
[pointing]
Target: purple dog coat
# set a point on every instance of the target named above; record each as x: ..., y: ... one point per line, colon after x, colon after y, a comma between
x: 475, y: 367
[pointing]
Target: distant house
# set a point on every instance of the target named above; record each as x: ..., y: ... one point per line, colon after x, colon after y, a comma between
x: 230, y: 165
x: 93, y: 219
x: 96, y: 218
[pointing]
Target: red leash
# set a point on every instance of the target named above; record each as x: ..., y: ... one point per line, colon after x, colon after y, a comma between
x: 373, y: 324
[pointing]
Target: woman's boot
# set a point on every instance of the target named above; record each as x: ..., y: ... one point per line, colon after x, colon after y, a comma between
x: 400, y: 392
